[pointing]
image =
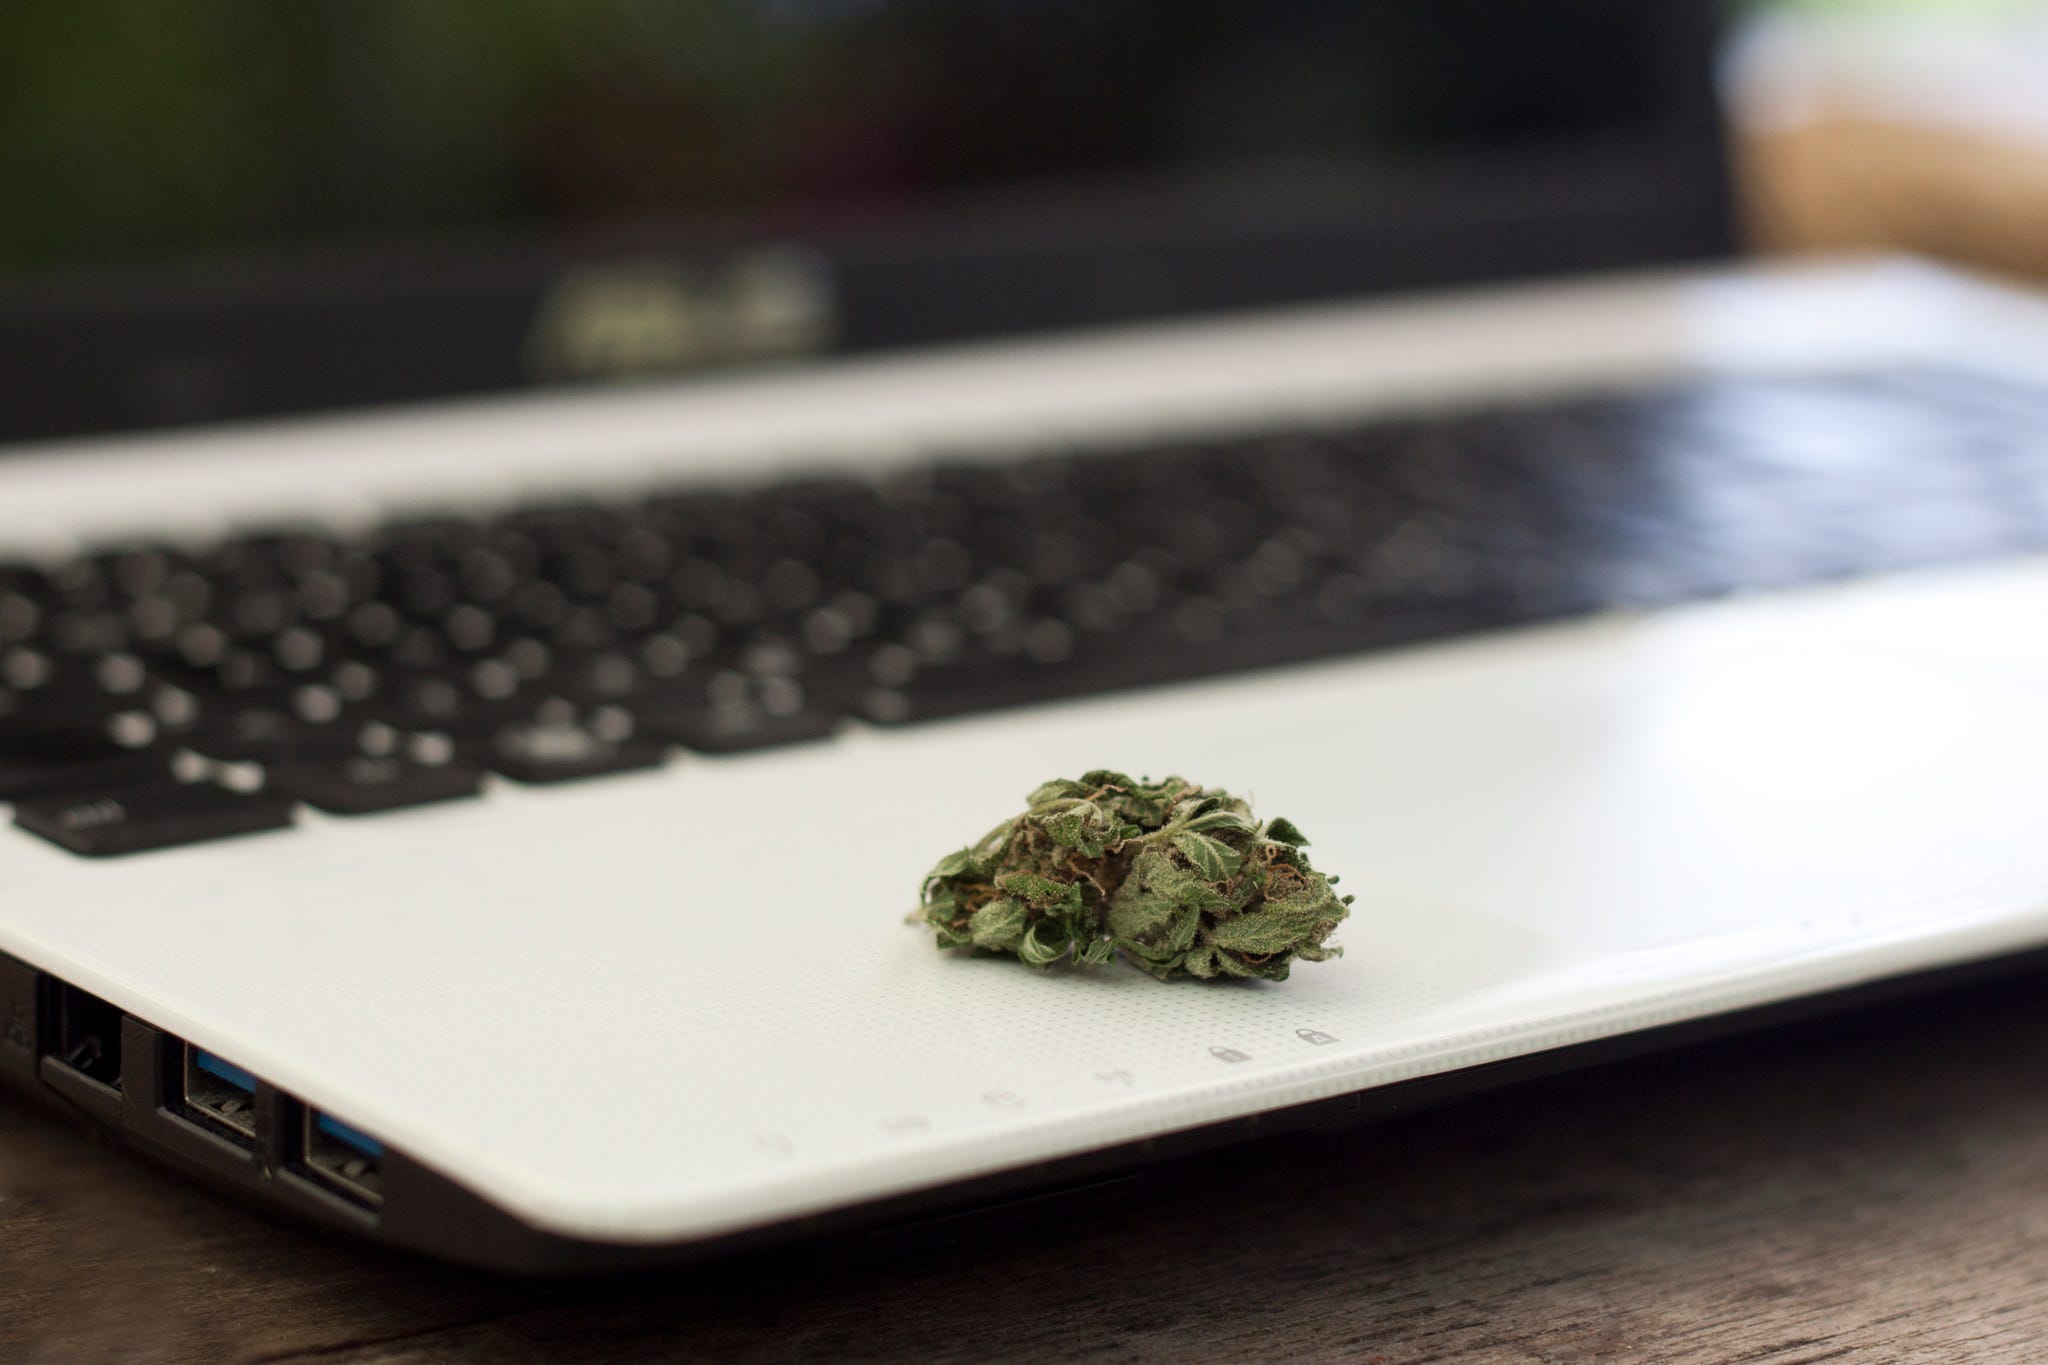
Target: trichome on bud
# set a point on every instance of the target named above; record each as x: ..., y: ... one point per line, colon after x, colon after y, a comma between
x: 1175, y: 877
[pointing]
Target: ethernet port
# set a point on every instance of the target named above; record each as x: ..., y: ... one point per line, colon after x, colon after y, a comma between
x: 346, y: 1160
x: 84, y: 1035
x: 219, y: 1093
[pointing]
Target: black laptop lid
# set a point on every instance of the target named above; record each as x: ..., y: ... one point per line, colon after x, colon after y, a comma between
x: 225, y: 209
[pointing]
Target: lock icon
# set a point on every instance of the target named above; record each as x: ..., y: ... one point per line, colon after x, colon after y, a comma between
x: 1313, y: 1035
x: 1229, y: 1054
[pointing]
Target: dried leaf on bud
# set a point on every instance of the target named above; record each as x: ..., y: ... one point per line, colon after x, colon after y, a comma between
x: 1176, y: 878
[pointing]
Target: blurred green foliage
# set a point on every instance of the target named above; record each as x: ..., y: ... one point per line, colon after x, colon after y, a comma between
x: 135, y: 126
x: 160, y: 129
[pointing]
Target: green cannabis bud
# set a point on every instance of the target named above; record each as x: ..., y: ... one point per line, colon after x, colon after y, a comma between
x: 1178, y: 878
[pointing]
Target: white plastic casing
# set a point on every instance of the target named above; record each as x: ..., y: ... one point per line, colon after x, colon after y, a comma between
x: 664, y: 1007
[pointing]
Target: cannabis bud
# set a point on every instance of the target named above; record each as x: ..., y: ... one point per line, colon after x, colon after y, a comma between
x: 1176, y: 877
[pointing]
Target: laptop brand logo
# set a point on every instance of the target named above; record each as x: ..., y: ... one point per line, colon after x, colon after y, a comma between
x: 655, y: 315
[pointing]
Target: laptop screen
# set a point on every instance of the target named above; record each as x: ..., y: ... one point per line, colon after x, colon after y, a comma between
x: 236, y: 209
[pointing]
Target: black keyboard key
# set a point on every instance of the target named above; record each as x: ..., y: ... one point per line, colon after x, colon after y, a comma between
x: 68, y: 683
x: 113, y: 821
x: 24, y: 779
x: 449, y: 704
x: 55, y: 718
x: 362, y: 784
x: 740, y: 729
x: 38, y: 761
x: 548, y: 750
x: 982, y: 685
x: 271, y: 733
x: 767, y: 694
x: 24, y: 597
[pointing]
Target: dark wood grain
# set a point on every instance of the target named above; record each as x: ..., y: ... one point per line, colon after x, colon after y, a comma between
x: 1875, y: 1186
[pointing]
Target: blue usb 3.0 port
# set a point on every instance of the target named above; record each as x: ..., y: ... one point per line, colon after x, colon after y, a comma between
x: 342, y: 1157
x: 220, y: 1092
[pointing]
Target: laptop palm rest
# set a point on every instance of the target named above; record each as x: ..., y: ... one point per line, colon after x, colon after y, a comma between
x: 624, y: 1012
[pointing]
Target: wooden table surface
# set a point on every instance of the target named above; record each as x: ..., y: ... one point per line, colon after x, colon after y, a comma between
x: 1874, y: 1186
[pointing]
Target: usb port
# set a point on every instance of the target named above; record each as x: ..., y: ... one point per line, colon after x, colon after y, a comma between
x: 84, y: 1034
x: 220, y: 1092
x: 345, y: 1159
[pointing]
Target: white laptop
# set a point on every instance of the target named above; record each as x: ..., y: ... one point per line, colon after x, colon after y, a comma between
x: 484, y: 821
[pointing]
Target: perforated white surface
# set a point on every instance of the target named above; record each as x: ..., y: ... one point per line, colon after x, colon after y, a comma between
x: 667, y: 1006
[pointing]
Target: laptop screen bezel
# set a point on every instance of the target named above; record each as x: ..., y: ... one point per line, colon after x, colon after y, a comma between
x: 130, y: 350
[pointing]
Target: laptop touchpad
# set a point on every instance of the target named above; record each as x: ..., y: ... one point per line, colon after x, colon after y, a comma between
x: 1671, y: 784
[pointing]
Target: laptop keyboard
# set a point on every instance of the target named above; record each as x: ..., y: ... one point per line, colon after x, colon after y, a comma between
x: 156, y: 695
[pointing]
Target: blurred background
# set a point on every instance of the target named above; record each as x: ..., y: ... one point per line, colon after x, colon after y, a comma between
x: 1914, y: 125
x: 349, y: 163
x: 220, y: 125
x: 1909, y: 124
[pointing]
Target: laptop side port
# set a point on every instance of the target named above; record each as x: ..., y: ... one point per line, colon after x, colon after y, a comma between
x: 82, y: 1035
x: 20, y: 1019
x: 342, y: 1158
x: 218, y: 1092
